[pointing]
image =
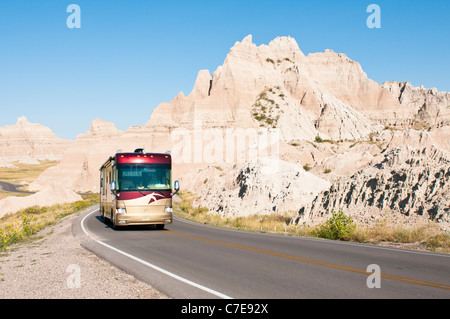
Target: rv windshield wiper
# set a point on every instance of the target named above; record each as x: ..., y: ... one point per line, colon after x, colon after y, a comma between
x: 141, y: 192
x: 160, y: 193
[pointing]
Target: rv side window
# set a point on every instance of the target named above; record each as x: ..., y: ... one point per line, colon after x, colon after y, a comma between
x: 103, y: 180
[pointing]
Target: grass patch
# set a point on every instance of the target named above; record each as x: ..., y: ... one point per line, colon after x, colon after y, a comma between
x: 22, y: 225
x: 337, y: 227
x: 427, y: 236
x: 318, y: 139
x: 265, y: 110
x: 273, y: 222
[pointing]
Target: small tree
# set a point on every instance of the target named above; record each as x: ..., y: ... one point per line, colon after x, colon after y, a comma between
x: 338, y: 226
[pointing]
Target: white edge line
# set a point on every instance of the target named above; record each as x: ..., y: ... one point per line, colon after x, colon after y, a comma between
x: 218, y: 294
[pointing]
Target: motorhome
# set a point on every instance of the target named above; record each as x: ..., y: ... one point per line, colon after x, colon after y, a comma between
x: 136, y: 189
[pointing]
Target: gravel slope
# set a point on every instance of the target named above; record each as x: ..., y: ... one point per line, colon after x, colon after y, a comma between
x: 45, y: 269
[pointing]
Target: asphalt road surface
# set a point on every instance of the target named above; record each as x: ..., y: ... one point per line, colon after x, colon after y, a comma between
x: 12, y: 188
x: 188, y: 260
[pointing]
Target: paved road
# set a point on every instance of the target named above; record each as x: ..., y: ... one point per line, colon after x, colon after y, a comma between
x: 12, y: 188
x: 188, y: 260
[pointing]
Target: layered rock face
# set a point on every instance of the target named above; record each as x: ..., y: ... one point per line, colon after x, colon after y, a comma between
x: 265, y: 186
x: 275, y: 85
x: 79, y: 167
x: 412, y: 179
x: 29, y: 142
x: 430, y: 107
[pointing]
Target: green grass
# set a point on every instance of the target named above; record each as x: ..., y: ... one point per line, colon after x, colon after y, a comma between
x: 24, y: 224
x: 337, y: 227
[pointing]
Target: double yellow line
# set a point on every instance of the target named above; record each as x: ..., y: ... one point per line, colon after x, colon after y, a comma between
x: 316, y: 262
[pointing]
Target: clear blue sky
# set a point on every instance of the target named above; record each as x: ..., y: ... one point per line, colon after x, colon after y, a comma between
x: 129, y: 56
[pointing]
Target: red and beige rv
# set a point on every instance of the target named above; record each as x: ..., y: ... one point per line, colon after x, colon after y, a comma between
x: 136, y: 189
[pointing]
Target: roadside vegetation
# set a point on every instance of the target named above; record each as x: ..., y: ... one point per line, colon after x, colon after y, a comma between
x: 338, y: 227
x: 25, y: 224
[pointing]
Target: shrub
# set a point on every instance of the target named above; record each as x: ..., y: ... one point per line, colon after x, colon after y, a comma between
x: 318, y: 139
x: 338, y: 226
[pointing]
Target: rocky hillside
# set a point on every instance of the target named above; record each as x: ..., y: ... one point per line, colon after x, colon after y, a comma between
x: 276, y: 85
x: 29, y: 142
x: 411, y: 180
x: 430, y: 107
x: 262, y: 187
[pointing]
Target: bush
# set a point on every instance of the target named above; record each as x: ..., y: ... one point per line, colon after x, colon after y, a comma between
x: 338, y: 226
x: 318, y: 139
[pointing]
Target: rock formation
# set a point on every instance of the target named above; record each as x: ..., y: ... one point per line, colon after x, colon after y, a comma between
x: 412, y: 179
x: 265, y: 186
x: 430, y: 107
x: 271, y: 86
x: 29, y: 142
x: 79, y: 167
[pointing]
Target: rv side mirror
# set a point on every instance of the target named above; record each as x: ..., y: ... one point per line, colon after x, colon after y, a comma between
x: 176, y: 187
x: 113, y: 186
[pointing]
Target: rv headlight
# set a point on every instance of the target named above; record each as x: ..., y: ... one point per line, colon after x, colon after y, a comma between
x: 121, y: 211
x: 168, y: 210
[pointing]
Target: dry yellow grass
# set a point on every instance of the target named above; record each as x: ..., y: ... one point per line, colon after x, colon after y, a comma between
x: 24, y: 224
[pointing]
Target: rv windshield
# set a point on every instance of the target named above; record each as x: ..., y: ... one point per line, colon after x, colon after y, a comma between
x: 143, y: 177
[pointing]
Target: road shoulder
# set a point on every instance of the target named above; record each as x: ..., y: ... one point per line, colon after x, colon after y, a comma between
x: 56, y: 266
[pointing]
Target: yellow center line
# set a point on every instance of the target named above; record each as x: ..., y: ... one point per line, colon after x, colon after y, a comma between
x: 315, y: 262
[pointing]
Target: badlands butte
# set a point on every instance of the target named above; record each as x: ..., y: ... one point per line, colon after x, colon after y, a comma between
x: 272, y: 131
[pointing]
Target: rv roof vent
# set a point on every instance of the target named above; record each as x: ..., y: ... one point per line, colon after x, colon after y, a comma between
x: 139, y: 150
